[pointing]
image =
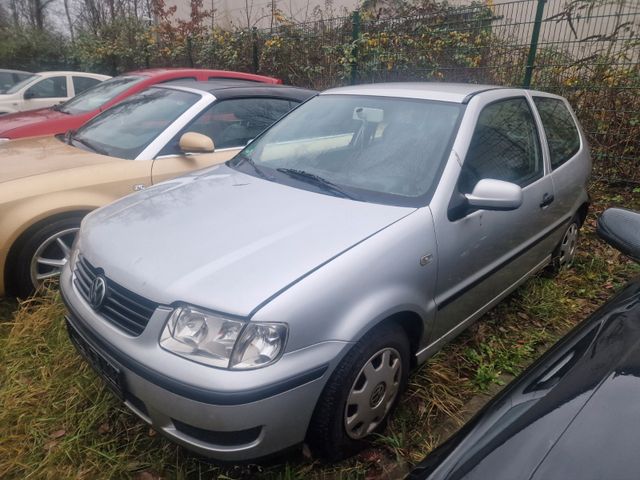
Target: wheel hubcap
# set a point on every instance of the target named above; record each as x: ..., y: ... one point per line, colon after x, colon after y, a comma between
x: 568, y: 245
x: 52, y: 255
x: 373, y: 393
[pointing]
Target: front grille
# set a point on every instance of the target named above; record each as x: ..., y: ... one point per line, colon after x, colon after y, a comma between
x: 121, y: 307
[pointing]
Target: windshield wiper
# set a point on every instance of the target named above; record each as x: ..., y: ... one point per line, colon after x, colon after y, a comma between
x: 316, y: 180
x: 89, y: 145
x: 239, y: 158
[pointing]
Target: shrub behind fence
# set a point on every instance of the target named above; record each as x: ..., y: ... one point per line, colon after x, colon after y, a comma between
x: 587, y: 51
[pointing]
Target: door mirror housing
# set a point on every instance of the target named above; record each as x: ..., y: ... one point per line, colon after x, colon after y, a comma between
x: 491, y: 194
x: 29, y: 95
x: 192, y: 142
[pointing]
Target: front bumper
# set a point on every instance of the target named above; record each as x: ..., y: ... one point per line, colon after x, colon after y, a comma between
x: 227, y: 415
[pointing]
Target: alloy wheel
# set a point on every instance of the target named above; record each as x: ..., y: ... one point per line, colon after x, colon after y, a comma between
x: 52, y: 255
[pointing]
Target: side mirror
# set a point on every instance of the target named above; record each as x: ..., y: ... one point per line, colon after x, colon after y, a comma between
x: 192, y: 142
x: 491, y: 194
x: 28, y: 95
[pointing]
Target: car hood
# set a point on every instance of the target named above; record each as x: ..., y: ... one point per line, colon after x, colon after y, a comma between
x: 11, y: 121
x: 39, y: 155
x: 224, y: 240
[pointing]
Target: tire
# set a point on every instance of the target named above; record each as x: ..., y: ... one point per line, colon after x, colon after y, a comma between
x: 25, y: 273
x: 564, y: 253
x: 334, y: 433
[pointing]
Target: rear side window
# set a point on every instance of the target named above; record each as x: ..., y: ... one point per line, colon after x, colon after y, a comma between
x: 80, y: 84
x: 504, y: 146
x: 561, y: 131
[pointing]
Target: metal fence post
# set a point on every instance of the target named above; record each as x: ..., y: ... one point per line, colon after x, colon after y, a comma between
x: 190, y: 50
x: 254, y: 49
x: 531, y: 58
x: 355, y: 36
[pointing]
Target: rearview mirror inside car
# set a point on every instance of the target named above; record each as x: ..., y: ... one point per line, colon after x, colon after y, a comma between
x: 192, y: 142
x: 368, y: 114
x: 491, y: 194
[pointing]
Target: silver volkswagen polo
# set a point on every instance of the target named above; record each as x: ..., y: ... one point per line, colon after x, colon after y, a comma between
x: 284, y: 296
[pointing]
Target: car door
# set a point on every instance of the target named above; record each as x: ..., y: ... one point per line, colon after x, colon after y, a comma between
x: 231, y: 124
x: 569, y: 156
x: 46, y: 93
x: 482, y: 254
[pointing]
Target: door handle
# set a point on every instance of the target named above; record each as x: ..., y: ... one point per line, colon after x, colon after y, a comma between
x: 547, y: 199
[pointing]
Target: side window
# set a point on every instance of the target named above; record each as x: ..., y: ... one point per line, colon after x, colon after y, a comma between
x: 80, y: 84
x: 504, y: 146
x: 561, y: 131
x: 51, y: 87
x: 235, y: 122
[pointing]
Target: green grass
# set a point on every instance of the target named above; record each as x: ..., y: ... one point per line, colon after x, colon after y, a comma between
x: 57, y: 420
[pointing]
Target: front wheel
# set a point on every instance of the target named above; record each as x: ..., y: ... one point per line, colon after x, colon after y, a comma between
x: 41, y: 253
x: 361, y: 393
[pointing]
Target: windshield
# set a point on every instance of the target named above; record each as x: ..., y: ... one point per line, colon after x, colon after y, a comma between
x: 8, y: 79
x: 127, y: 128
x: 98, y: 95
x: 21, y: 84
x: 387, y: 150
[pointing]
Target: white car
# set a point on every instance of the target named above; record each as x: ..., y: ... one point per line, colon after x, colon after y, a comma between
x: 45, y: 89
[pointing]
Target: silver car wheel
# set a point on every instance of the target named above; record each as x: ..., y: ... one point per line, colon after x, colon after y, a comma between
x: 373, y: 393
x: 568, y: 246
x: 52, y: 255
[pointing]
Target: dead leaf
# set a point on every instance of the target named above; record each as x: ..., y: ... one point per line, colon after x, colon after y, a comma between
x: 58, y: 433
x: 306, y: 451
x: 50, y: 444
x: 104, y: 428
x: 152, y: 432
x: 147, y: 475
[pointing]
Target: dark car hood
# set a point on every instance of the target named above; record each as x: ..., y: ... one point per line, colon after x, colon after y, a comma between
x: 574, y: 414
x: 223, y: 239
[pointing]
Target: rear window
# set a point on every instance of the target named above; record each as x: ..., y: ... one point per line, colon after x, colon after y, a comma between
x: 561, y: 131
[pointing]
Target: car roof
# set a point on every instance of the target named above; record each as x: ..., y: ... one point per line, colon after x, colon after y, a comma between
x: 8, y: 70
x: 448, y: 92
x: 225, y: 88
x: 70, y: 72
x: 231, y: 74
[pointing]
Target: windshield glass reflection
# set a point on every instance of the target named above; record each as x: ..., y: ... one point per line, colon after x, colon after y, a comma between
x: 126, y: 129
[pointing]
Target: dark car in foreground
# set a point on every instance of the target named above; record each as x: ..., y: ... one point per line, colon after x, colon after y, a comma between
x: 575, y: 413
x: 78, y: 110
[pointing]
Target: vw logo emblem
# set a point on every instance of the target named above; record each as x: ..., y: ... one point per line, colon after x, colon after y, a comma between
x: 98, y: 292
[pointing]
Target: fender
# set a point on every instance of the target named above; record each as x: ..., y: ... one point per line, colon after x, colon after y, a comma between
x: 365, y: 285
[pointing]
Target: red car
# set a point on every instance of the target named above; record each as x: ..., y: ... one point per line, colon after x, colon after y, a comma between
x: 81, y: 108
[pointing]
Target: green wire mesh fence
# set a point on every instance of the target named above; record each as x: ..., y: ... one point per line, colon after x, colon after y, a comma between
x: 586, y: 50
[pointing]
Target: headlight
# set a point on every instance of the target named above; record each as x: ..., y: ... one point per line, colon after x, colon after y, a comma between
x: 221, y: 342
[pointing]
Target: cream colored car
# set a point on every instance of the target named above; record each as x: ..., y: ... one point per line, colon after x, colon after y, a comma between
x: 46, y: 89
x: 47, y: 184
